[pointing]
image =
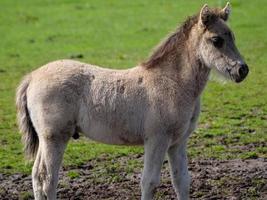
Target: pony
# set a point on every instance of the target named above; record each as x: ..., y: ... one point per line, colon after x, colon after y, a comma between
x: 155, y: 104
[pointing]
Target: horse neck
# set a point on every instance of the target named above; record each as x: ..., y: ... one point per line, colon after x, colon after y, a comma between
x: 187, y: 70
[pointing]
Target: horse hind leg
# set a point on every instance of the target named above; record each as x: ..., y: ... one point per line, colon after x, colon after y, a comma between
x: 47, y: 165
x: 36, y: 177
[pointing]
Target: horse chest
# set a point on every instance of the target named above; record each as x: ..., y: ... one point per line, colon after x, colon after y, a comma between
x: 178, y: 123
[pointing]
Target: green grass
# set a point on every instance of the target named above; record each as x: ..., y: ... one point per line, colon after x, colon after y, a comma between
x: 119, y: 34
x: 25, y: 195
x: 73, y: 174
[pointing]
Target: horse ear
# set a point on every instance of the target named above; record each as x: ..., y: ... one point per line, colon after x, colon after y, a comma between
x: 226, y: 12
x: 205, y: 16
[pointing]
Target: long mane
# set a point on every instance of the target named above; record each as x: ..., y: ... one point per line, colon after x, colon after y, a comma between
x: 171, y: 44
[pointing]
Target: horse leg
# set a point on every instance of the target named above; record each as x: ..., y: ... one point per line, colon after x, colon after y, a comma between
x: 36, y: 181
x: 178, y: 163
x: 155, y: 150
x: 53, y: 155
x: 178, y: 159
x: 47, y: 165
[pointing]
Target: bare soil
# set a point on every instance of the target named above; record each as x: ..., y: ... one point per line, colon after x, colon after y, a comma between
x: 117, y: 178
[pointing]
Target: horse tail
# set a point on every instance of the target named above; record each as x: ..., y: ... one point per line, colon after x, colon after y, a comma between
x: 29, y: 135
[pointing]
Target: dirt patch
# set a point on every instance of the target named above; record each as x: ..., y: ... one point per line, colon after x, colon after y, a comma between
x: 118, y: 178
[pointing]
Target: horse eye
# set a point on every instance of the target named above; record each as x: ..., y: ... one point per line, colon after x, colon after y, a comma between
x: 217, y: 41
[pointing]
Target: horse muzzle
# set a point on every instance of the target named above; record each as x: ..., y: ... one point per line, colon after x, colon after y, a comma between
x: 240, y: 73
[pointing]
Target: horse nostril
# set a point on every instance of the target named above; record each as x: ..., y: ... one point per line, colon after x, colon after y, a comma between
x: 243, y: 70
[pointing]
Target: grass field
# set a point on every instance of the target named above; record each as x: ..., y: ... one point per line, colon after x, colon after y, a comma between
x: 119, y: 34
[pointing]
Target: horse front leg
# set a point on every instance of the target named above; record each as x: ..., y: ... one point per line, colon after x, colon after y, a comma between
x: 179, y: 171
x: 155, y: 150
x: 177, y: 156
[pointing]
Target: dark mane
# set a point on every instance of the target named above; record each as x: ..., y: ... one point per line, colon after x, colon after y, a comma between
x: 171, y: 43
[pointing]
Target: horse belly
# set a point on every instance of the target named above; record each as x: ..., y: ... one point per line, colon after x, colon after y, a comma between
x: 104, y: 134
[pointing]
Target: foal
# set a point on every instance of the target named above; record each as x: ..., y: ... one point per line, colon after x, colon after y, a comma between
x: 155, y: 104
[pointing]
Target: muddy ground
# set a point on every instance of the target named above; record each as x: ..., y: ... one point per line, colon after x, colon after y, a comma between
x: 117, y: 178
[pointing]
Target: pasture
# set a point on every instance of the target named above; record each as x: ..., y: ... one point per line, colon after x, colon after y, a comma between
x: 232, y: 132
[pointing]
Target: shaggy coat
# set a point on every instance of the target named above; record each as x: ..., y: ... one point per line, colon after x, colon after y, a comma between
x: 155, y: 104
